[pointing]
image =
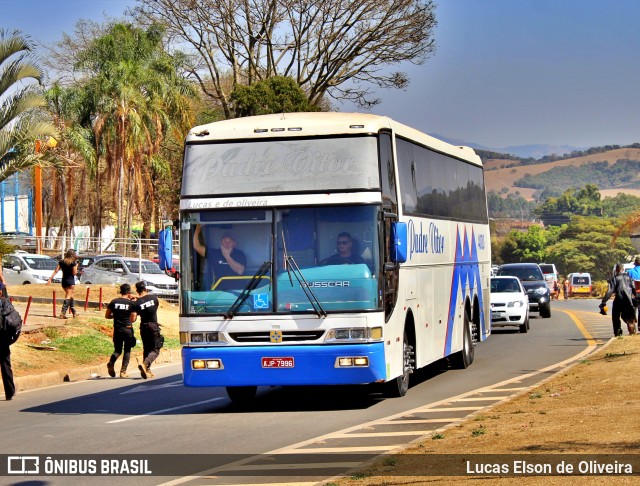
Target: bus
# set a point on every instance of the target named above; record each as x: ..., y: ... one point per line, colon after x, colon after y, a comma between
x: 285, y: 189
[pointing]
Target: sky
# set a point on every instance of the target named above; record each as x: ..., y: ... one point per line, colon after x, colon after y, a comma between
x: 505, y: 72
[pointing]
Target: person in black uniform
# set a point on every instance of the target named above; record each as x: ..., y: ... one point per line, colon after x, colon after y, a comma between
x: 623, y: 308
x: 122, y: 311
x: 69, y: 267
x: 146, y: 306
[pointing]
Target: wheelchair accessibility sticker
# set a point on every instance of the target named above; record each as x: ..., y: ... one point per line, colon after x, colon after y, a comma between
x: 261, y: 301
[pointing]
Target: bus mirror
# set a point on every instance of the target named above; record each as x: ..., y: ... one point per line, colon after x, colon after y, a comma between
x: 399, y: 242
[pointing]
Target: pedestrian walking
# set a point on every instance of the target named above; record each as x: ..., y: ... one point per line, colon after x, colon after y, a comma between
x: 623, y: 304
x: 69, y: 267
x: 146, y: 306
x: 5, y: 354
x: 565, y: 288
x: 122, y: 311
x: 634, y: 275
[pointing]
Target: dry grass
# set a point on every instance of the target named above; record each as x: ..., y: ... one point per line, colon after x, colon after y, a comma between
x: 593, y: 408
x: 496, y: 179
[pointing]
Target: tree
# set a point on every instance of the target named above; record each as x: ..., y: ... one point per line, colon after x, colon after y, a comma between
x: 137, y: 96
x: 583, y: 202
x: 272, y: 95
x: 529, y: 246
x: 585, y: 246
x: 334, y: 48
x: 22, y: 115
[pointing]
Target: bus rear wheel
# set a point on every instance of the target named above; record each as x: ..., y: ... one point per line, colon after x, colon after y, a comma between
x: 463, y: 359
x: 241, y: 394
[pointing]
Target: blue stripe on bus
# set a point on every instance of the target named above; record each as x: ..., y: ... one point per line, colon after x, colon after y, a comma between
x: 313, y: 365
x: 466, y: 271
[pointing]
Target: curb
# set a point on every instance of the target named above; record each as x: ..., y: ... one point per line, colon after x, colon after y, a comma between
x: 32, y: 382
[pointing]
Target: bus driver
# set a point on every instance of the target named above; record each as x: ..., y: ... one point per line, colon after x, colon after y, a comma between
x: 345, y: 254
x: 226, y: 261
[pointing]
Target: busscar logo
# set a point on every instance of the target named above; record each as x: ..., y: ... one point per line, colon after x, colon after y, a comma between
x: 23, y: 465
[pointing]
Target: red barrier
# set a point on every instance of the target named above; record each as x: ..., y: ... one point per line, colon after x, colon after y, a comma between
x: 100, y: 300
x: 26, y: 313
x: 54, y: 304
x: 86, y: 299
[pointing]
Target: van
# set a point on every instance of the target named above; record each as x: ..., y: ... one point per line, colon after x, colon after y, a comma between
x: 580, y: 285
x: 551, y: 278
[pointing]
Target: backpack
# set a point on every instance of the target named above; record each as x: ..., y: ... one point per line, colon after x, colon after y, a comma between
x: 10, y: 321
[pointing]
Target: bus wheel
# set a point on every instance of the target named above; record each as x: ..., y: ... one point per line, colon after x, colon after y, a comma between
x: 241, y: 394
x: 462, y: 359
x: 399, y: 386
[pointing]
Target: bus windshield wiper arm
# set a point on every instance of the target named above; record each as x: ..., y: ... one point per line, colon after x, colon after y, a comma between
x: 252, y: 284
x: 304, y: 285
x: 292, y: 267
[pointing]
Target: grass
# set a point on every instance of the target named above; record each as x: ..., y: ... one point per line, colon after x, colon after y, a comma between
x: 85, y: 347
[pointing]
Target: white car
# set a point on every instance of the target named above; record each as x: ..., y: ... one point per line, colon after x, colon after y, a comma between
x: 27, y: 268
x: 116, y: 270
x: 509, y: 303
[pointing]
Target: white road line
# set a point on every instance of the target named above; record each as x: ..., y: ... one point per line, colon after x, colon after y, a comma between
x: 344, y: 450
x: 482, y: 399
x: 311, y: 465
x: 401, y: 421
x: 445, y: 409
x: 158, y: 412
x: 382, y: 434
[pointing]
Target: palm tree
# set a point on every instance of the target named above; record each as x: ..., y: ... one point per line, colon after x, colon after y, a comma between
x: 23, y: 119
x: 137, y: 98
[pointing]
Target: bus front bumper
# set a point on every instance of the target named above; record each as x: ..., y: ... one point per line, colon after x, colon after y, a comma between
x: 283, y: 365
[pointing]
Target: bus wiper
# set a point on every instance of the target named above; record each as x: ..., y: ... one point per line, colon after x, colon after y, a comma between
x: 292, y: 268
x: 251, y: 285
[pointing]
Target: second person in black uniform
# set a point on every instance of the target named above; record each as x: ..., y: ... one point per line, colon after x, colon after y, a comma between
x: 122, y: 311
x: 146, y: 306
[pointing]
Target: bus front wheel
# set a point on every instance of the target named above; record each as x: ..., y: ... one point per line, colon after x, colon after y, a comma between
x: 241, y: 394
x: 399, y: 386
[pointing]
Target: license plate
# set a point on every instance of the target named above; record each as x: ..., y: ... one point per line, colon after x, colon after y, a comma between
x: 277, y: 362
x: 495, y: 315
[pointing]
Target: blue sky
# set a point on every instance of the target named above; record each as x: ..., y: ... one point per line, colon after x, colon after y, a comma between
x: 506, y: 72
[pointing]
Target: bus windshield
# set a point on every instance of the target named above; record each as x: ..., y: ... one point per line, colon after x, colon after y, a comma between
x: 284, y: 260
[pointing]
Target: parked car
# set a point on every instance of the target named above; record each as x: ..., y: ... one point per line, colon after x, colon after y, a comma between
x: 551, y: 277
x: 509, y: 303
x: 20, y: 240
x: 116, y: 270
x: 580, y: 285
x: 22, y: 267
x: 534, y: 283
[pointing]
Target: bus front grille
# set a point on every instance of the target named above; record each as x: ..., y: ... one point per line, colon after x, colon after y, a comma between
x: 264, y: 337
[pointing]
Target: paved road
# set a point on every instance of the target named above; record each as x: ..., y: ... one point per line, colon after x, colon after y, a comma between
x: 160, y: 416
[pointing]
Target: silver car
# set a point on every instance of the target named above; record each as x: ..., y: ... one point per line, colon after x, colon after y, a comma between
x: 20, y: 240
x: 116, y: 270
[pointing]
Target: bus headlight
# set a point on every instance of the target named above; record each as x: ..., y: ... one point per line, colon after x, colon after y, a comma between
x: 352, y: 361
x: 201, y: 337
x: 354, y: 334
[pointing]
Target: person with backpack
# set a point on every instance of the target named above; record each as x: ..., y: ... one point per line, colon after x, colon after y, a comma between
x: 10, y: 328
x: 122, y: 311
x: 146, y: 306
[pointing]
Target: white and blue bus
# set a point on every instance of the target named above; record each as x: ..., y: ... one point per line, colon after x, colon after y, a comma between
x: 292, y: 189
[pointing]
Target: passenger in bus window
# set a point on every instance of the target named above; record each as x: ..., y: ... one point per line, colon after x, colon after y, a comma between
x: 345, y: 254
x: 226, y: 261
